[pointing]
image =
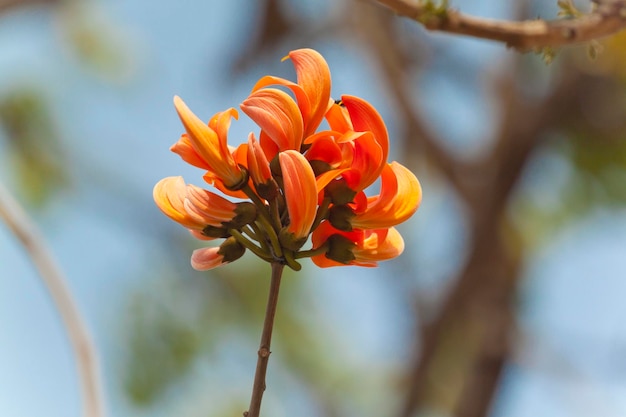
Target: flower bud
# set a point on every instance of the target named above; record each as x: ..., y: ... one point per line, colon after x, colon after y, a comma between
x: 340, y: 249
x: 340, y: 216
x: 339, y: 192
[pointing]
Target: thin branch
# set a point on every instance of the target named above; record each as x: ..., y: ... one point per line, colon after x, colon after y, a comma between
x: 84, y: 350
x: 607, y: 18
x: 266, y: 338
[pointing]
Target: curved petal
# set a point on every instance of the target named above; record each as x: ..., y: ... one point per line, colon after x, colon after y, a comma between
x: 312, y: 90
x: 300, y: 192
x: 185, y: 150
x: 213, y: 209
x: 338, y: 118
x: 400, y: 196
x: 258, y: 165
x: 379, y: 245
x: 365, y: 118
x: 206, y: 258
x: 277, y: 115
x: 367, y: 162
x: 169, y: 195
x: 370, y: 246
x: 325, y: 149
x: 314, y: 77
x: 209, y: 145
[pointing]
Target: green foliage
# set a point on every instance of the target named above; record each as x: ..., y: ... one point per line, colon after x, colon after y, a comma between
x: 35, y: 152
x: 594, y: 174
x: 433, y: 11
x: 162, y: 346
x: 567, y: 9
x: 98, y: 43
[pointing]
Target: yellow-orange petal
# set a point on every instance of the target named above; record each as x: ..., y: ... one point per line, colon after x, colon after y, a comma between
x: 277, y: 115
x: 209, y: 145
x: 169, y: 195
x: 208, y: 207
x: 185, y: 150
x: 300, y: 192
x: 400, y: 196
x: 379, y: 245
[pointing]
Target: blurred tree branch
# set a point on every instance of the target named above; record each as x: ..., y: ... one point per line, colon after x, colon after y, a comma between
x: 607, y: 18
x: 6, y: 5
x: 84, y: 349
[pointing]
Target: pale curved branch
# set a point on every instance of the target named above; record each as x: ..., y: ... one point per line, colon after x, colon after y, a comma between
x: 607, y: 18
x: 84, y: 350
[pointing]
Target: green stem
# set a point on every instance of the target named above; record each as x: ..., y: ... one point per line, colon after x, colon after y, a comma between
x: 291, y: 261
x: 312, y: 252
x: 261, y: 237
x: 265, y: 219
x: 266, y: 338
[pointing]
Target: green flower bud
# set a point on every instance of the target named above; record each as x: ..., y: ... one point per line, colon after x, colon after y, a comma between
x: 213, y: 231
x: 340, y: 216
x: 231, y: 250
x: 340, y: 249
x: 288, y: 240
x: 339, y: 192
x: 245, y: 213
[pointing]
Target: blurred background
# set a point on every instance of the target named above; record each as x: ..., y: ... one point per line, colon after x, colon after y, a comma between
x: 508, y: 301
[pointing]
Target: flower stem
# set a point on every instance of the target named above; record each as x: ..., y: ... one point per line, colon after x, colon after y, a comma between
x: 264, y: 348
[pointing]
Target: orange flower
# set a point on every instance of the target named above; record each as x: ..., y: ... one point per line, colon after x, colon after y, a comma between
x: 298, y: 181
x: 300, y: 192
x: 205, y: 145
x: 312, y: 90
x: 400, y: 196
x: 359, y: 247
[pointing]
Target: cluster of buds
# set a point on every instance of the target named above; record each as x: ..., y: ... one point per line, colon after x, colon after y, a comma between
x: 293, y: 181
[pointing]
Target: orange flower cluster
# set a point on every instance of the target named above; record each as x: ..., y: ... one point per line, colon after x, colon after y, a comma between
x: 297, y: 181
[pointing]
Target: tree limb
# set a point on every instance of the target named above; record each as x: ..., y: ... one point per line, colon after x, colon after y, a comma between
x: 607, y: 18
x: 84, y: 350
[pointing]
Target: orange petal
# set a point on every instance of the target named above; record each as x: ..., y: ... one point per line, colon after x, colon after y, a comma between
x: 379, y: 245
x: 258, y: 165
x: 400, y: 196
x: 367, y: 162
x: 338, y: 118
x: 314, y: 77
x: 277, y: 115
x: 208, y: 207
x: 185, y: 149
x: 210, y: 146
x: 325, y: 149
x: 300, y: 192
x: 365, y: 118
